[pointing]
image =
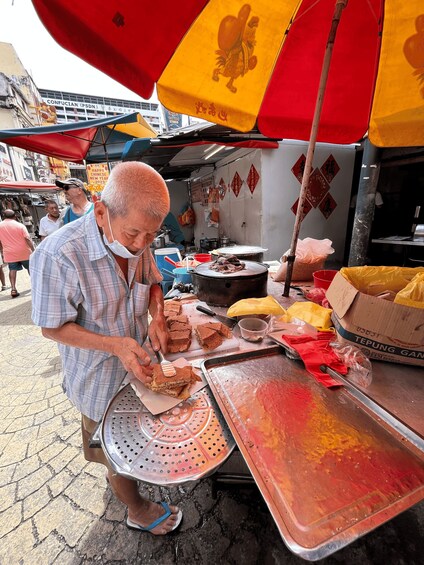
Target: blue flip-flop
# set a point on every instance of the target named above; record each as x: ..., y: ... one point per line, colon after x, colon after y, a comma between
x: 134, y: 526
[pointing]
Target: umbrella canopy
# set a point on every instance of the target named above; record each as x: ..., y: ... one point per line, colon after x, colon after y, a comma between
x: 94, y: 141
x: 235, y: 64
x: 27, y: 186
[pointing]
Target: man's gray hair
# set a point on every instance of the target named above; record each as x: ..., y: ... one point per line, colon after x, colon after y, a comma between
x: 9, y: 214
x: 136, y: 185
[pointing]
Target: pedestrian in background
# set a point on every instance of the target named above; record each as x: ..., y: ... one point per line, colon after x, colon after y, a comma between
x: 16, y: 246
x: 76, y: 195
x: 93, y: 285
x: 51, y: 221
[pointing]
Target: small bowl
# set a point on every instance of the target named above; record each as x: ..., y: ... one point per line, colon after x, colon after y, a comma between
x: 253, y: 329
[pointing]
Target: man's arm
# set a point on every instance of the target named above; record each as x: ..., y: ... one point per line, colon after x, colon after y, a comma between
x: 29, y: 243
x: 129, y: 352
x: 158, y: 333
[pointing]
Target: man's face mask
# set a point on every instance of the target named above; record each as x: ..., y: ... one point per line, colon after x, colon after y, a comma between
x: 117, y: 248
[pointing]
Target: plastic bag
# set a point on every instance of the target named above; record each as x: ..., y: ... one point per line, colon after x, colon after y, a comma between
x: 360, y: 368
x: 256, y: 306
x: 376, y: 280
x: 311, y: 313
x: 413, y: 293
x: 310, y: 256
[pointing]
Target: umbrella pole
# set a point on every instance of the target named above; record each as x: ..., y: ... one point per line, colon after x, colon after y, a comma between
x: 340, y: 5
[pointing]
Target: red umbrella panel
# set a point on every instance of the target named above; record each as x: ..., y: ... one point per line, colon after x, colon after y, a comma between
x: 236, y: 63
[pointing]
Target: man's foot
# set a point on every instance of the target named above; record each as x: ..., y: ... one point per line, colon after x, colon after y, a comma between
x: 3, y: 287
x: 14, y: 293
x: 158, y: 519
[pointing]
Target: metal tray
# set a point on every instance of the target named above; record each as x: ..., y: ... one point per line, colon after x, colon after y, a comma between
x: 329, y: 468
x: 186, y: 443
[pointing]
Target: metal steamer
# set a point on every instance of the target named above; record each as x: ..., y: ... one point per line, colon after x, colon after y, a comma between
x: 243, y: 252
x: 184, y: 444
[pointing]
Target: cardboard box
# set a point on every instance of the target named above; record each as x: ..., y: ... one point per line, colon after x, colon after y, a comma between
x: 381, y: 329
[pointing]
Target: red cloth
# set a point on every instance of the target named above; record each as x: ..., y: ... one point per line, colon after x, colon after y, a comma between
x: 317, y: 352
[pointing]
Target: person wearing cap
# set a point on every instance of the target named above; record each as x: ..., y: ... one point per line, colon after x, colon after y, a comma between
x: 94, y: 284
x: 76, y: 195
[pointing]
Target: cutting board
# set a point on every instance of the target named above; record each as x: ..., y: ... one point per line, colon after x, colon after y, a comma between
x: 196, y: 350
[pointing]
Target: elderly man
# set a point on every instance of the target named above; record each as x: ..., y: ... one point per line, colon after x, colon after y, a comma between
x: 94, y: 283
x: 76, y: 195
x: 51, y: 221
x: 16, y: 246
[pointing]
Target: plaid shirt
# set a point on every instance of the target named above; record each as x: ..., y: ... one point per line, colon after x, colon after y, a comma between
x: 75, y: 278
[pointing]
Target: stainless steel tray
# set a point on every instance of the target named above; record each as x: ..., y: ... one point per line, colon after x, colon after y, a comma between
x: 329, y: 468
x: 186, y: 443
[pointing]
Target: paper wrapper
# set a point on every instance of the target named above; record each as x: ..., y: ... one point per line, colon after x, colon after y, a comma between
x: 157, y: 403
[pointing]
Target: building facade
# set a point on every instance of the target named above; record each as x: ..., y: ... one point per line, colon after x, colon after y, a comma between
x: 19, y: 103
x: 72, y: 107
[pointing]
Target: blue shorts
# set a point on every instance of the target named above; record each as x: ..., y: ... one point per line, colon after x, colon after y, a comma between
x: 17, y: 265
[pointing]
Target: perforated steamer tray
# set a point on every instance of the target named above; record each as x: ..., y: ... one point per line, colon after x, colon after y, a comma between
x: 183, y: 444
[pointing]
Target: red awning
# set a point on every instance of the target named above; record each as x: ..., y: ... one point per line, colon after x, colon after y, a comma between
x: 27, y: 186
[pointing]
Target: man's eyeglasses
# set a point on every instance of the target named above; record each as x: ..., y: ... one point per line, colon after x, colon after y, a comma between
x: 71, y: 186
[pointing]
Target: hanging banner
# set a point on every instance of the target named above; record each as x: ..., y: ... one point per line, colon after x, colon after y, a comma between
x: 97, y: 175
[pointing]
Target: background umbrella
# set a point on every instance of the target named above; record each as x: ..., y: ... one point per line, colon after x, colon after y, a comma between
x: 95, y: 141
x: 236, y: 63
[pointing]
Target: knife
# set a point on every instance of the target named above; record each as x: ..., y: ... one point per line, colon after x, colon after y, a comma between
x: 230, y: 322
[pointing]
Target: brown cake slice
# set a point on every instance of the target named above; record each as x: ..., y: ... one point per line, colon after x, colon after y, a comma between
x: 183, y: 376
x: 207, y: 337
x: 175, y: 326
x: 176, y: 386
x: 172, y: 306
x: 222, y: 329
x: 179, y: 341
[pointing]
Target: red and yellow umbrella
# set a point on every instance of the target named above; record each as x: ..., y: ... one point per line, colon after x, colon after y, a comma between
x: 237, y: 63
x: 277, y: 64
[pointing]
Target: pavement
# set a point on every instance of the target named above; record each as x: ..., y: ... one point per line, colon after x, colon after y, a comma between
x: 57, y: 508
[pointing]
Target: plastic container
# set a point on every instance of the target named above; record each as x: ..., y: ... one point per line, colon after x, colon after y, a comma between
x: 203, y: 257
x: 171, y: 252
x: 322, y: 279
x: 253, y: 329
x: 182, y: 275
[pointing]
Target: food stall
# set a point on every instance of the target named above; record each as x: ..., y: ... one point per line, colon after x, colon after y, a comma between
x: 331, y: 462
x: 26, y: 199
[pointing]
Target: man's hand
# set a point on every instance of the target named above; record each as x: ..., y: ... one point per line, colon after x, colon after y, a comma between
x: 158, y: 333
x: 133, y: 357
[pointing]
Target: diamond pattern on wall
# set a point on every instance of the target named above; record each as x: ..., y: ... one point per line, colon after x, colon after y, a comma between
x: 330, y: 169
x: 252, y: 179
x: 299, y: 167
x: 307, y: 207
x: 317, y: 188
x: 236, y: 184
x: 327, y: 206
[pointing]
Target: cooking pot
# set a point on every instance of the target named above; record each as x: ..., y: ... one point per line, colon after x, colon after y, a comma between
x: 223, y: 289
x: 243, y: 252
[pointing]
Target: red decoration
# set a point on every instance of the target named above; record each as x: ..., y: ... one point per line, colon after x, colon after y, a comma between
x: 299, y: 167
x: 252, y: 179
x: 317, y: 188
x: 236, y: 184
x: 330, y: 168
x: 327, y: 206
x: 307, y: 207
